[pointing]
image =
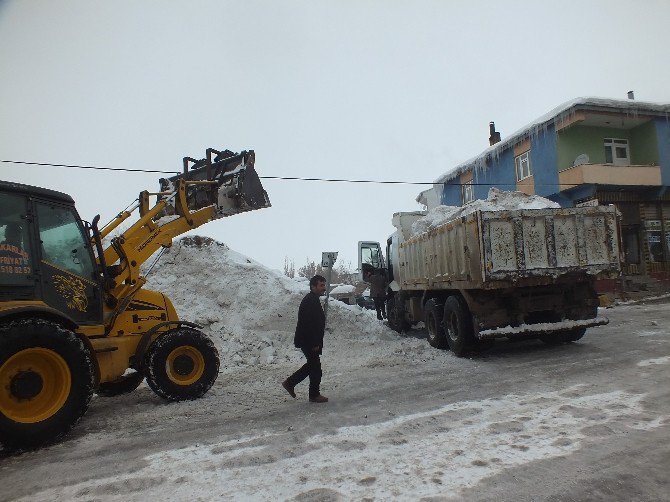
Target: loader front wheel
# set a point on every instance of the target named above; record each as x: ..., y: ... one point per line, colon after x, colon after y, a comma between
x: 46, y: 382
x: 181, y: 364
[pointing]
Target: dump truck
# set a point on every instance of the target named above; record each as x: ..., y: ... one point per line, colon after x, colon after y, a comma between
x: 75, y: 317
x: 493, y: 274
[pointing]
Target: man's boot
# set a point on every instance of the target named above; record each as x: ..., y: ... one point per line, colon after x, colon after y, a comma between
x: 318, y: 399
x: 288, y: 388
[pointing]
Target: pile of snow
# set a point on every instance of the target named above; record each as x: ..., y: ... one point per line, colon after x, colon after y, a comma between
x: 343, y: 289
x: 497, y: 200
x: 250, y: 311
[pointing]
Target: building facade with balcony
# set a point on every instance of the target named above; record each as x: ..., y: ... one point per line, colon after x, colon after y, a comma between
x: 588, y: 151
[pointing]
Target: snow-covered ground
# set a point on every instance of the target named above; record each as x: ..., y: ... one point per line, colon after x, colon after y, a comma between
x: 522, y: 422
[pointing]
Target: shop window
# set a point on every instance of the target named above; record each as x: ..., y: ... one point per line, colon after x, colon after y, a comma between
x: 654, y: 235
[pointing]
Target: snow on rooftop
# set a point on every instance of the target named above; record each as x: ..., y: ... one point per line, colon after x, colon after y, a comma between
x: 540, y: 124
x: 497, y: 200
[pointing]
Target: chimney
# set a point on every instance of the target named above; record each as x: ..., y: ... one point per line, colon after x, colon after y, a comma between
x: 631, y: 95
x: 495, y: 136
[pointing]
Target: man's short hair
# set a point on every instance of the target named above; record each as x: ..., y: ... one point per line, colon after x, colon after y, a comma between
x: 316, y: 280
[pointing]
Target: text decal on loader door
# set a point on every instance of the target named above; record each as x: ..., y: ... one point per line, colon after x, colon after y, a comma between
x: 13, y: 260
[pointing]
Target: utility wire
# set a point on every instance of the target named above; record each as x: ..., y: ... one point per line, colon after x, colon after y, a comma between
x: 289, y: 178
x: 100, y: 168
x: 282, y: 178
x: 380, y: 182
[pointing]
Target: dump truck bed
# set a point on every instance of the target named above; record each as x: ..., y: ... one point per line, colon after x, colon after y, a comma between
x: 496, y: 249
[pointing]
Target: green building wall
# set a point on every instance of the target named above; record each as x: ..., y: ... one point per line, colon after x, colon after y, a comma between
x: 576, y: 140
x: 644, y: 146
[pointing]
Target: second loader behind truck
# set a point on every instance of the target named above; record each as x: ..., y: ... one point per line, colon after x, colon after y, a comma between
x: 493, y: 274
x: 74, y: 316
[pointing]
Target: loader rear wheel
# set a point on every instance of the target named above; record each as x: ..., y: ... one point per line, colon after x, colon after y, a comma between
x: 458, y: 326
x: 181, y: 364
x: 46, y: 382
x: 124, y: 385
x: 433, y: 316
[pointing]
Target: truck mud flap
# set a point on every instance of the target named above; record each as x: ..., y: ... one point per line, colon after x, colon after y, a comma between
x: 540, y: 328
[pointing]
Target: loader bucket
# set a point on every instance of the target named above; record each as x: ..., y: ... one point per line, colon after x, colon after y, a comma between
x: 237, y: 187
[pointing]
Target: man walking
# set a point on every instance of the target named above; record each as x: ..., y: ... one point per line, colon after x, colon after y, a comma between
x: 309, y: 338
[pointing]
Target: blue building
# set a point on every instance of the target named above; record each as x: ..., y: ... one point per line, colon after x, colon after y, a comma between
x: 588, y: 151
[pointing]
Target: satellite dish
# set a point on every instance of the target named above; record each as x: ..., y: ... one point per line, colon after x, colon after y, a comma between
x: 581, y: 159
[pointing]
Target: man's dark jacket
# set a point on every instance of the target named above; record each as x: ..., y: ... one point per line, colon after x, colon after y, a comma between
x: 311, y: 323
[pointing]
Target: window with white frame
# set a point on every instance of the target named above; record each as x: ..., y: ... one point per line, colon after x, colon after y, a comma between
x: 522, y: 163
x: 468, y: 192
x: 617, y: 152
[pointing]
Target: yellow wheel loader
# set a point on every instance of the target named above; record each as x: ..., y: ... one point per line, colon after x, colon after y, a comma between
x: 74, y: 317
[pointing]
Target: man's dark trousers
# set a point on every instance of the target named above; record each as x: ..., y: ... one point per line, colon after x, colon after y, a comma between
x: 379, y: 307
x: 311, y: 369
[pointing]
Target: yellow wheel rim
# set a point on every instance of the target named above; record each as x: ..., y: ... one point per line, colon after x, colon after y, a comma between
x: 185, y: 365
x: 34, y: 385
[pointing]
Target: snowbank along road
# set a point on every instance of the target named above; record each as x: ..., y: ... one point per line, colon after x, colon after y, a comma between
x: 524, y: 421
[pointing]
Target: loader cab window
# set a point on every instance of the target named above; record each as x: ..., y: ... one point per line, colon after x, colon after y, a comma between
x: 15, y: 258
x: 63, y: 242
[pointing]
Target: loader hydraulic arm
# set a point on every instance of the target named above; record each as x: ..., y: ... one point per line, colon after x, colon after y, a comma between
x: 214, y: 188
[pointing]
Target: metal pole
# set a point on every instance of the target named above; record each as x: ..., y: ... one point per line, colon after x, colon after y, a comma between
x: 325, y: 306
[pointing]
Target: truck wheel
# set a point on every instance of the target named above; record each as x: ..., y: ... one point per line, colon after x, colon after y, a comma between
x: 565, y: 337
x: 457, y: 326
x: 396, y: 314
x: 575, y: 334
x: 124, y: 385
x: 433, y: 316
x: 181, y: 364
x: 46, y: 382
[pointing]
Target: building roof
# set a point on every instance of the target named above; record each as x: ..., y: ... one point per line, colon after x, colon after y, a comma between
x: 566, y: 110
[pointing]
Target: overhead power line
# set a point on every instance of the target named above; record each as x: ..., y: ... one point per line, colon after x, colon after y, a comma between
x: 99, y: 168
x: 381, y: 182
x: 282, y: 178
x: 286, y: 178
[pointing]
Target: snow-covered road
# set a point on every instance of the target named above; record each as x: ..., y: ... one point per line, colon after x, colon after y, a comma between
x: 524, y: 421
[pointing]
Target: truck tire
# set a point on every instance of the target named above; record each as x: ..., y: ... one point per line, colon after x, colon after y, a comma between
x: 458, y: 326
x: 47, y: 377
x: 123, y: 385
x: 565, y: 337
x: 575, y: 334
x: 433, y: 313
x: 396, y: 314
x: 181, y: 364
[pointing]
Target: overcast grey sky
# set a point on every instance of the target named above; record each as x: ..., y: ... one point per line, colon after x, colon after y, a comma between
x: 350, y: 89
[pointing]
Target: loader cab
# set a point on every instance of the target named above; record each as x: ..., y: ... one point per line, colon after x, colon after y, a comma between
x: 370, y: 258
x: 46, y: 255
